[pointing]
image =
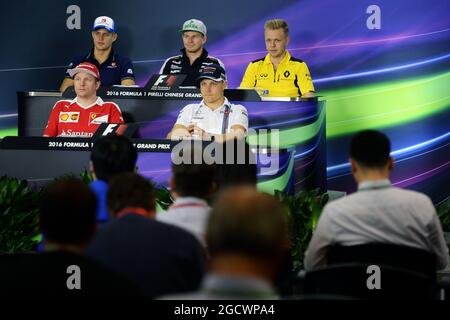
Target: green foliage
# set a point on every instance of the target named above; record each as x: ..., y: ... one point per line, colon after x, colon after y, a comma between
x: 86, y: 177
x: 163, y: 197
x: 19, y: 216
x: 443, y: 211
x: 303, y: 211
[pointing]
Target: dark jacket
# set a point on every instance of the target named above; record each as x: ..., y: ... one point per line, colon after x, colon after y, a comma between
x: 158, y: 257
x: 181, y: 65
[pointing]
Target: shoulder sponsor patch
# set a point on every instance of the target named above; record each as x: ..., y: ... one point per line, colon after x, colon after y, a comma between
x: 209, y: 69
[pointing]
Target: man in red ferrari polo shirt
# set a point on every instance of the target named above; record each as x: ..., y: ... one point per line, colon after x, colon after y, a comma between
x: 82, y: 116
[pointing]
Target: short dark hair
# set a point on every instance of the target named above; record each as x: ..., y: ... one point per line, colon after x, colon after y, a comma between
x: 248, y: 222
x: 68, y: 211
x: 193, y: 179
x: 370, y: 148
x: 242, y: 170
x: 130, y: 190
x: 111, y: 155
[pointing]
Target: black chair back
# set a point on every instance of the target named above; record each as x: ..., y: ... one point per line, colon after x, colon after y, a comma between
x: 355, y: 280
x: 408, y: 258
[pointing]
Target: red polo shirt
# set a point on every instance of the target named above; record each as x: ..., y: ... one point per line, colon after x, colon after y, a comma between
x: 68, y: 118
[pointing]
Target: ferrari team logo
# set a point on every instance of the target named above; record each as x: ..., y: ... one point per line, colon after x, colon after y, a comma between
x: 97, y: 118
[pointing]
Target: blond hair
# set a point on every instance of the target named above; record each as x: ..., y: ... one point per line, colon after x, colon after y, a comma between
x: 275, y: 24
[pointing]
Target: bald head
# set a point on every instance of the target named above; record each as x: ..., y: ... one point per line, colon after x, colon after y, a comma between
x: 245, y: 221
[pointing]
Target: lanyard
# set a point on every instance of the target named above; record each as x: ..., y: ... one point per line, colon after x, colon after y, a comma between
x: 189, y: 204
x: 132, y: 210
x: 226, y: 115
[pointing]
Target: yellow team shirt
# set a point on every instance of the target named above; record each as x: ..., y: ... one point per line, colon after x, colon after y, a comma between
x: 291, y: 79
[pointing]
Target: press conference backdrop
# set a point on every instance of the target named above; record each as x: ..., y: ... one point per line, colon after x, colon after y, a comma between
x: 379, y: 64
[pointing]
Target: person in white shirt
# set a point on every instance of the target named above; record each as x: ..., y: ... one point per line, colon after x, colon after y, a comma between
x: 247, y: 237
x: 214, y: 117
x: 378, y: 212
x: 192, y: 185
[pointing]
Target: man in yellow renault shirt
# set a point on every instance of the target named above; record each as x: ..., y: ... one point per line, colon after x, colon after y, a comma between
x: 278, y: 74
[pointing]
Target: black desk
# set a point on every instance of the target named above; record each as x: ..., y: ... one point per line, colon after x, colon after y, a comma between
x: 39, y: 159
x: 137, y: 104
x: 298, y: 126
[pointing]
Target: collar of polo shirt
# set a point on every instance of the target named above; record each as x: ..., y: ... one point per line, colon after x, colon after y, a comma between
x: 225, y: 103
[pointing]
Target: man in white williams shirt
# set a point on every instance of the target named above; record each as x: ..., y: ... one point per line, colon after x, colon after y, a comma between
x: 214, y: 117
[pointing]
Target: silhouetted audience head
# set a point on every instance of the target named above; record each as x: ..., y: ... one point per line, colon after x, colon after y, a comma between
x: 112, y: 155
x: 369, y: 156
x: 370, y: 149
x: 250, y: 225
x: 130, y: 190
x: 192, y: 178
x: 67, y: 210
x: 238, y: 165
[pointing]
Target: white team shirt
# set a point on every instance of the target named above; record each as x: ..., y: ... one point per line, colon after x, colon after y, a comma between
x: 213, y: 121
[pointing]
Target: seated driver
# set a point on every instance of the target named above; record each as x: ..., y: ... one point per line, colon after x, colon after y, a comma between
x: 214, y: 116
x: 82, y: 116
